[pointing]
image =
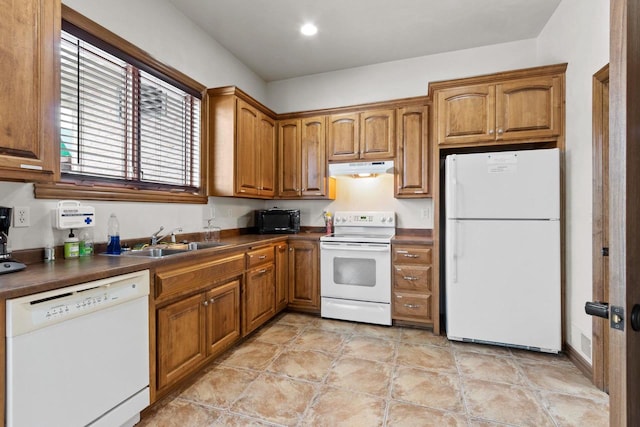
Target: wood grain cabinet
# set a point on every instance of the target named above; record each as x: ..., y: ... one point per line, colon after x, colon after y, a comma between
x: 413, y: 294
x: 197, y: 316
x: 520, y: 110
x: 241, y: 139
x: 413, y: 152
x: 302, y: 160
x: 368, y: 135
x: 259, y: 296
x: 30, y: 90
x: 304, y: 275
x: 282, y: 276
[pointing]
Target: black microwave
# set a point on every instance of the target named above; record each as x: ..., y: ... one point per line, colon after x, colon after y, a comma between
x: 273, y: 221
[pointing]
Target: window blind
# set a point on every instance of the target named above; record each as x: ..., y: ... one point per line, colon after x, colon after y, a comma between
x: 121, y: 124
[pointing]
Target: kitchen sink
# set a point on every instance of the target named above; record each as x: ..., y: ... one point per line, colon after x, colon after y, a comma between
x: 205, y: 245
x: 155, y: 252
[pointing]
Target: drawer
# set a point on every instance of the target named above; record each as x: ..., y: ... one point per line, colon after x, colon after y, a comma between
x: 412, y: 307
x: 411, y: 255
x: 187, y: 279
x: 412, y: 277
x: 260, y: 256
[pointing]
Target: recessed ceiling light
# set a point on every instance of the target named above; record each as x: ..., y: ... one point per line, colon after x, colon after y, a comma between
x: 308, y: 29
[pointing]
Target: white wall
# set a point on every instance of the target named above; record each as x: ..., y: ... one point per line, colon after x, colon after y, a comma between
x: 578, y: 33
x: 397, y: 79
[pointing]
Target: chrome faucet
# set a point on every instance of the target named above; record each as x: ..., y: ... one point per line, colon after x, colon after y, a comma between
x: 155, y: 239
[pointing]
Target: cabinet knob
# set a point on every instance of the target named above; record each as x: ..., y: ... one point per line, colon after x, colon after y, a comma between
x: 205, y: 303
x: 490, y: 131
x: 500, y: 131
x: 212, y: 300
x: 290, y: 249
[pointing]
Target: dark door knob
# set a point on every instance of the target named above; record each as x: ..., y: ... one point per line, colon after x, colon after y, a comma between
x: 635, y: 318
x: 596, y: 308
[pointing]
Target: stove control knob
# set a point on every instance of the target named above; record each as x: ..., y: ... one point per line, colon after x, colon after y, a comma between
x: 383, y: 219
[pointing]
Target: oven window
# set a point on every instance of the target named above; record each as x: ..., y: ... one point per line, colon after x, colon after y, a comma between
x: 354, y: 271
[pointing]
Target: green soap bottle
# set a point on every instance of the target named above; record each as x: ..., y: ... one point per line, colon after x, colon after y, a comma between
x: 71, y: 246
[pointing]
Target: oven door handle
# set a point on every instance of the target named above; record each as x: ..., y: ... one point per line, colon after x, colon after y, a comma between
x: 360, y: 247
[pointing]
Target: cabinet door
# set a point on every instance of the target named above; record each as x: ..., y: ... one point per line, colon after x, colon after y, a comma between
x: 259, y: 297
x: 247, y: 154
x: 304, y: 275
x: 377, y: 134
x: 413, y: 157
x: 528, y: 108
x: 465, y: 114
x: 289, y: 158
x: 29, y: 140
x: 180, y: 339
x: 313, y: 158
x: 344, y: 135
x: 223, y: 317
x: 266, y: 148
x: 282, y: 276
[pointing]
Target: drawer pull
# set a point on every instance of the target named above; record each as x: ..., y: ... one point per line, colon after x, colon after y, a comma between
x: 410, y: 278
x: 262, y: 271
x: 412, y: 305
x: 262, y: 257
x: 411, y: 256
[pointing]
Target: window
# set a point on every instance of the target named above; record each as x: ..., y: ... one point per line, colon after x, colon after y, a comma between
x: 120, y: 123
x: 128, y: 124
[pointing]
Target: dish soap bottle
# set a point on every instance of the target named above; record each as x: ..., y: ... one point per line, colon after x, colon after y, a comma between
x: 86, y: 243
x: 71, y: 246
x: 113, y: 236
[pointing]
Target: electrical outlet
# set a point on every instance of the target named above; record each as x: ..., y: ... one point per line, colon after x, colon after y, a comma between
x: 21, y: 216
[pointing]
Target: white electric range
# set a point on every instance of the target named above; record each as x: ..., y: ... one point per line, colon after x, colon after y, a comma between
x: 355, y: 267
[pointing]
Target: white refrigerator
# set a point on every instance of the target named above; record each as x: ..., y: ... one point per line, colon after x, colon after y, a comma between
x: 502, y: 248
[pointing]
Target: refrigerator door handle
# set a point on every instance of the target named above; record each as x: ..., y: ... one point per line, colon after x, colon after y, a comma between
x: 453, y: 194
x: 454, y: 252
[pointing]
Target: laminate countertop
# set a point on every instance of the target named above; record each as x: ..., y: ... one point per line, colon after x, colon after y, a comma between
x: 46, y: 276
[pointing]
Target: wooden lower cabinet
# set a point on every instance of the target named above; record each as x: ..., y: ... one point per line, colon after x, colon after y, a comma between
x: 195, y: 324
x: 260, y: 288
x: 180, y: 342
x: 282, y: 276
x: 413, y: 291
x: 223, y: 320
x: 304, y: 275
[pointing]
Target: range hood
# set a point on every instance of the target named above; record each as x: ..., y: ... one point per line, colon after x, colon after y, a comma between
x: 361, y: 169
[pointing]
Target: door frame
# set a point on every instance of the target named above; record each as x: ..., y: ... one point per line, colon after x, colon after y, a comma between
x: 624, y: 208
x: 600, y: 215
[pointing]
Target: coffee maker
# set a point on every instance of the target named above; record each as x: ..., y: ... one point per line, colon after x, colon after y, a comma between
x: 7, y: 264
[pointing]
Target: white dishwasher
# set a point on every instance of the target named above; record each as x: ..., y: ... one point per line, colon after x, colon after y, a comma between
x: 79, y: 355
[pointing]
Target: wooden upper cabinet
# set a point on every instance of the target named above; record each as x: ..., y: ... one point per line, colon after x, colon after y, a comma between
x: 241, y: 146
x: 289, y: 158
x: 377, y: 134
x: 313, y: 156
x: 466, y: 114
x: 29, y: 137
x: 344, y: 136
x: 413, y: 152
x: 514, y: 107
x: 302, y: 160
x: 528, y: 108
x: 369, y: 135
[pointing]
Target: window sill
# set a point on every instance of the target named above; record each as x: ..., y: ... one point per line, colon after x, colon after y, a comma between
x: 66, y: 191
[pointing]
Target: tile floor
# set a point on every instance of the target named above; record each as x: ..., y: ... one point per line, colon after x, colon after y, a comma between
x: 301, y: 370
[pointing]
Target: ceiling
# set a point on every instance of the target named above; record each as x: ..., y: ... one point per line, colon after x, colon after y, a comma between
x: 264, y: 34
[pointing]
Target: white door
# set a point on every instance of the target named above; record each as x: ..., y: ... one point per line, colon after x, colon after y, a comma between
x: 514, y: 184
x: 503, y: 282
